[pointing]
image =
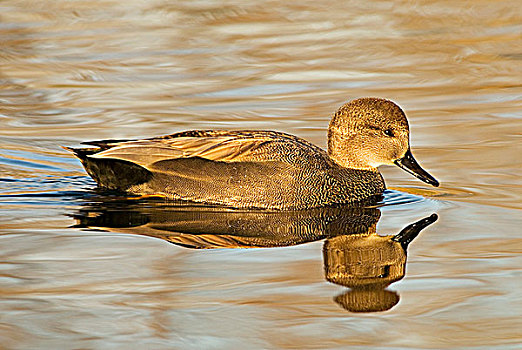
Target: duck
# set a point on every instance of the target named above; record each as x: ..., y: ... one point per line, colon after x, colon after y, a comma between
x: 262, y: 169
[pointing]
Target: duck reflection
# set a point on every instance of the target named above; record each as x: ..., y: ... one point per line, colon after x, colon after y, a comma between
x: 355, y: 256
x: 367, y: 263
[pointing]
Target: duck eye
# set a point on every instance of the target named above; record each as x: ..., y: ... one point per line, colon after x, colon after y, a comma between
x: 388, y: 132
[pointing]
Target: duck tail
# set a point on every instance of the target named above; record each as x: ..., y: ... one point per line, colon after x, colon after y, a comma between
x: 114, y: 174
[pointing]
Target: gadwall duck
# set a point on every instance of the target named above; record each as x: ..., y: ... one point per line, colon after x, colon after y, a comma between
x: 262, y: 169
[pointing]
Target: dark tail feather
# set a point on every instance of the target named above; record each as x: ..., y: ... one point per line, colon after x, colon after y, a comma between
x: 114, y: 174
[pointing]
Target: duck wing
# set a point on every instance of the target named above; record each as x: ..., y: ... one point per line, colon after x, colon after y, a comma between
x: 222, y: 146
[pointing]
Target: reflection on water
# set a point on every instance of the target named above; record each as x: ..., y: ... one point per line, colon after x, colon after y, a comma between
x: 368, y: 263
x: 355, y: 256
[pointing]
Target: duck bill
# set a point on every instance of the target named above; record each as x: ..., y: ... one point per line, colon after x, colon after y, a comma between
x: 409, y: 164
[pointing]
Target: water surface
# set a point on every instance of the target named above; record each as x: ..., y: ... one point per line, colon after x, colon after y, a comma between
x: 76, y: 71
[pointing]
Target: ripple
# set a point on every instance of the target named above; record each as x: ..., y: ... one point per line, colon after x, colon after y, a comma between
x: 32, y: 160
x: 46, y: 190
x: 393, y: 197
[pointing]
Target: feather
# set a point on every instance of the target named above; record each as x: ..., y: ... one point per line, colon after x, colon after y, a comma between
x: 215, y: 146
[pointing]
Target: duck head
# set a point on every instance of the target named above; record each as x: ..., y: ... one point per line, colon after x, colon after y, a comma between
x: 368, y: 132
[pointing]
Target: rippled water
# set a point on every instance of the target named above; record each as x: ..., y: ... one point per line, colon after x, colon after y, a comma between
x: 85, y: 269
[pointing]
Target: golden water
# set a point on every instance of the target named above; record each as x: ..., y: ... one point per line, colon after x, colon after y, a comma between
x: 72, y: 71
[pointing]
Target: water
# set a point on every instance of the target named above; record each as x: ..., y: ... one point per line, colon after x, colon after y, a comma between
x: 83, y: 70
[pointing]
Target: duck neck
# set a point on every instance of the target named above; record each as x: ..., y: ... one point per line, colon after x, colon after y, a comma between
x: 344, y: 152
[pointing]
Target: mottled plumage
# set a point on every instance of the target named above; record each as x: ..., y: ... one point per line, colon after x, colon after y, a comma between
x: 258, y: 169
